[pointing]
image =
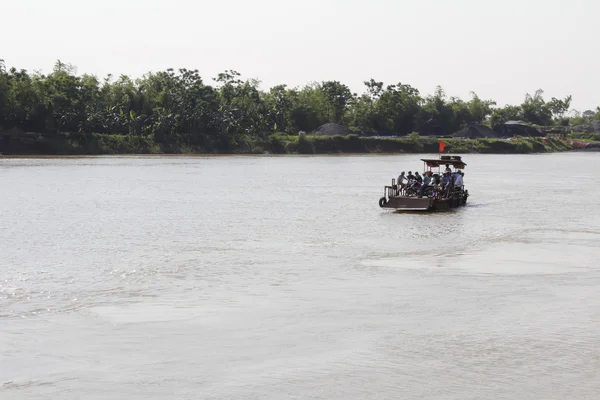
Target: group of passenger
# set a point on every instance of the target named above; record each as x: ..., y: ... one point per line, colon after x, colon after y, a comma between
x: 417, y: 184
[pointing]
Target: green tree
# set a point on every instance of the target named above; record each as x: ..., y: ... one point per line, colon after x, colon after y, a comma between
x: 479, y: 109
x: 559, y: 107
x: 336, y: 97
x: 536, y: 110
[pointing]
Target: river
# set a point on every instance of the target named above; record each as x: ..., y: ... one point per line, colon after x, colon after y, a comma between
x: 251, y: 277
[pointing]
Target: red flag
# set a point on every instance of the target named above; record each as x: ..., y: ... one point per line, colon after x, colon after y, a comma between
x: 442, y: 146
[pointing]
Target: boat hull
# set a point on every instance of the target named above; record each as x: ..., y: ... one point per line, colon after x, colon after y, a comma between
x: 409, y: 203
x: 413, y: 203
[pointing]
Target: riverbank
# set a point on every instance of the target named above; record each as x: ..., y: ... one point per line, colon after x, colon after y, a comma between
x: 101, y: 144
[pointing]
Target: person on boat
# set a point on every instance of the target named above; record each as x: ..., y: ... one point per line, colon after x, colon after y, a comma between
x: 451, y: 180
x: 426, y: 183
x: 436, y: 180
x: 446, y: 183
x: 437, y: 184
x: 414, y: 183
x: 460, y: 180
x: 418, y: 177
x: 459, y: 183
x: 448, y: 168
x: 401, y: 179
x: 444, y: 179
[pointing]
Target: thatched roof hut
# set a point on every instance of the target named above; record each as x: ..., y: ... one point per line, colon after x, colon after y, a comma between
x: 475, y: 131
x: 331, y: 129
x: 517, y: 128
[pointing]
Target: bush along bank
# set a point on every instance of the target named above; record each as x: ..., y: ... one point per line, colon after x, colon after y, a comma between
x: 98, y: 144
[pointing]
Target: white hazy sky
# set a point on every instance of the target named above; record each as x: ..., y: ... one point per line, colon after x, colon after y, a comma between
x: 499, y: 49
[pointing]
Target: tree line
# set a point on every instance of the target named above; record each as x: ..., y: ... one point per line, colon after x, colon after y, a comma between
x: 180, y: 105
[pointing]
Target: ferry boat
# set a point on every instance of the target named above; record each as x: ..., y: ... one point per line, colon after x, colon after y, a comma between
x: 408, y: 199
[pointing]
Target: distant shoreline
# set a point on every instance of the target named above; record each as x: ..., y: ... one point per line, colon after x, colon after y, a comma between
x: 37, y: 145
x: 240, y: 155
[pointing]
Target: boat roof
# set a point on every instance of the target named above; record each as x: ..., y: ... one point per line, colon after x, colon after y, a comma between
x: 455, y: 161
